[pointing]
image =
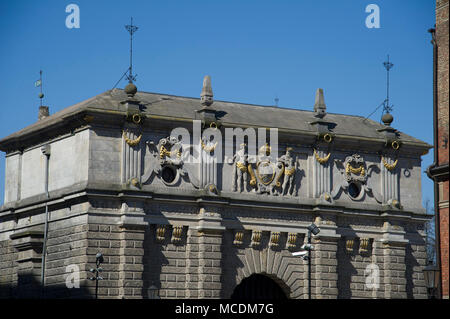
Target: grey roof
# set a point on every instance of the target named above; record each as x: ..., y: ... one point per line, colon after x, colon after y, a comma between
x: 232, y: 113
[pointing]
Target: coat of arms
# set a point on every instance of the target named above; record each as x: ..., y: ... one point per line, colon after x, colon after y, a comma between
x: 266, y: 174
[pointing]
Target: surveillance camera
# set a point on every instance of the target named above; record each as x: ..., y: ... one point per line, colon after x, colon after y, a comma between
x: 307, y: 247
x: 300, y: 253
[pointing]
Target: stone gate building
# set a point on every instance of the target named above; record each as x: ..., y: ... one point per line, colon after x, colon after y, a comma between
x: 112, y: 178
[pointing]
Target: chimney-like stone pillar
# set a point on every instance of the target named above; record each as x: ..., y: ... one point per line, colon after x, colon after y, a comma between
x: 43, y: 112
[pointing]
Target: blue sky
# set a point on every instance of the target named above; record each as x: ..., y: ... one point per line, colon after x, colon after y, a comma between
x: 253, y: 50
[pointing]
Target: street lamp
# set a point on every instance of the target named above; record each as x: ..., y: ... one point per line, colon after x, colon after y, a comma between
x: 96, y: 271
x: 431, y: 274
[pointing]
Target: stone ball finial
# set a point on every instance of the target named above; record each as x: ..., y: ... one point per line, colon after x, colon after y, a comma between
x: 130, y: 89
x: 387, y: 119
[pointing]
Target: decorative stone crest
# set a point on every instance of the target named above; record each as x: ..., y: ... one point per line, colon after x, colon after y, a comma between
x: 166, y: 162
x: 266, y: 175
x: 355, y: 169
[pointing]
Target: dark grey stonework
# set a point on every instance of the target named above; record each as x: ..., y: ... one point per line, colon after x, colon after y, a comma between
x: 198, y: 236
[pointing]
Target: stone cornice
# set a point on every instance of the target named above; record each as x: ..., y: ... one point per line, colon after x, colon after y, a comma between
x: 299, y: 205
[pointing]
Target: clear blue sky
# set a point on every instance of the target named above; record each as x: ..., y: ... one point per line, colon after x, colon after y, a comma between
x: 253, y: 50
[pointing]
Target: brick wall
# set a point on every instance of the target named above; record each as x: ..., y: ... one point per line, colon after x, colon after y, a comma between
x: 442, y: 36
x: 8, y: 268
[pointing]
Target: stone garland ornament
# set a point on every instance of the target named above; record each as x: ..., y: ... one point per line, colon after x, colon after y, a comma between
x: 321, y: 160
x: 208, y: 149
x: 131, y: 142
x: 389, y: 167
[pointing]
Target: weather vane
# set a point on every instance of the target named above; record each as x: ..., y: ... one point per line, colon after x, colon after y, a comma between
x: 131, y: 29
x: 386, y: 107
x: 130, y: 77
x: 38, y: 83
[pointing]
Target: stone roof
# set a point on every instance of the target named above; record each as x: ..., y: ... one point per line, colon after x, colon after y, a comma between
x: 231, y: 113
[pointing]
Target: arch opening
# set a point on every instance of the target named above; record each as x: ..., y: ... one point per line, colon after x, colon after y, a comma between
x: 258, y: 286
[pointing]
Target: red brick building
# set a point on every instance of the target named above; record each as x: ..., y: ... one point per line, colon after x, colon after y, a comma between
x: 439, y: 170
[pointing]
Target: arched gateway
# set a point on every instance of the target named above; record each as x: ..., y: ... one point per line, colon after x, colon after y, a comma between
x: 258, y: 286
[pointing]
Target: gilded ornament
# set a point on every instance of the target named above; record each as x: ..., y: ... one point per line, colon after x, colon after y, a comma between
x: 327, y: 138
x: 160, y: 233
x: 208, y: 149
x: 321, y: 160
x: 131, y: 142
x: 364, y: 245
x: 256, y: 238
x: 290, y: 171
x: 241, y: 166
x: 359, y: 170
x: 389, y: 167
x: 163, y: 152
x: 252, y: 175
x: 274, y: 239
x: 238, y: 237
x: 177, y: 233
x: 349, y: 244
x: 292, y: 240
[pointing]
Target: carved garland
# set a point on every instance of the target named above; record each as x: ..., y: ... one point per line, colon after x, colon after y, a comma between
x: 360, y: 170
x: 163, y: 152
x: 208, y: 149
x: 131, y: 142
x: 389, y: 167
x: 321, y: 160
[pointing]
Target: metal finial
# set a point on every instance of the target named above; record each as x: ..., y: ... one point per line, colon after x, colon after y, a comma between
x: 386, y: 107
x: 131, y: 29
x: 38, y: 83
x: 276, y: 101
